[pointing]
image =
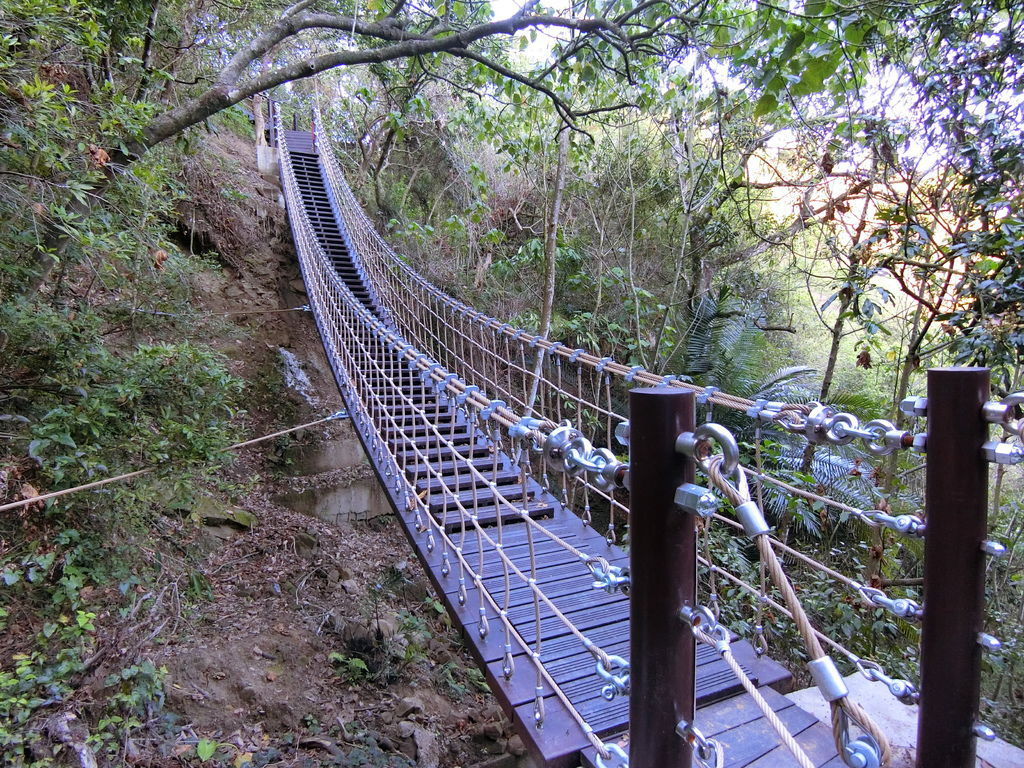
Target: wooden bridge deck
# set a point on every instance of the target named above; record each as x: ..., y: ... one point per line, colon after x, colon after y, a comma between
x: 563, y: 577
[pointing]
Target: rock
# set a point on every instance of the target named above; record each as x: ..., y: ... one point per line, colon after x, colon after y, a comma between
x: 306, y: 545
x: 406, y: 728
x: 239, y: 518
x: 386, y: 627
x: 428, y: 752
x: 338, y: 622
x: 493, y: 731
x: 516, y: 746
x: 298, y: 286
x: 408, y: 748
x: 350, y: 586
x: 409, y: 705
x: 221, y: 532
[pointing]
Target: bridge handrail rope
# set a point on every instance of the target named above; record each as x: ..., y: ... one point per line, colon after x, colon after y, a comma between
x: 319, y: 275
x: 149, y: 470
x: 858, y: 713
x: 450, y: 330
x: 821, y: 666
x: 816, y: 422
x: 834, y: 429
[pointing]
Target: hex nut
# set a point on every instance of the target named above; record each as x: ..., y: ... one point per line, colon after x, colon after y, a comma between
x: 696, y: 500
x: 1002, y: 453
x: 920, y: 443
x: 914, y: 406
x: 622, y: 432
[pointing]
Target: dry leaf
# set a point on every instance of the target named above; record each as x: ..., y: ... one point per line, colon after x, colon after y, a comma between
x: 98, y: 156
x: 159, y: 257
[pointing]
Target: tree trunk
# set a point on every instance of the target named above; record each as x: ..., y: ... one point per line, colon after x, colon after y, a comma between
x: 550, y: 258
x: 845, y: 300
x: 259, y: 124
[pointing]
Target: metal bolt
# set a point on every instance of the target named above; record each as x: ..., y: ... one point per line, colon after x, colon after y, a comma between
x: 983, y: 732
x: 920, y: 443
x: 622, y: 432
x: 696, y: 500
x: 1002, y: 453
x: 997, y: 413
x: 988, y: 642
x: 914, y: 406
x: 993, y: 548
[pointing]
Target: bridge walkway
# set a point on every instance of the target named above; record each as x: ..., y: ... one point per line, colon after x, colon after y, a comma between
x: 466, y: 480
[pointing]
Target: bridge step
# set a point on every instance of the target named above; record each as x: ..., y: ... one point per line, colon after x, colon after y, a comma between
x: 488, y: 516
x: 464, y: 479
x: 430, y: 441
x: 413, y: 402
x: 421, y: 429
x: 443, y: 417
x: 414, y: 469
x: 481, y: 496
x: 431, y: 453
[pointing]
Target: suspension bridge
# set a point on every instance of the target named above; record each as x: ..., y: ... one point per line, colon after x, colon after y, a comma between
x: 504, y: 455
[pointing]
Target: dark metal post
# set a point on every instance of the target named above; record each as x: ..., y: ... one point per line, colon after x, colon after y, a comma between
x: 271, y: 114
x: 663, y: 579
x: 956, y: 488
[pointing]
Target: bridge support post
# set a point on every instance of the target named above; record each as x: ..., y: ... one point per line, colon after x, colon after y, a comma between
x: 956, y: 488
x: 663, y: 579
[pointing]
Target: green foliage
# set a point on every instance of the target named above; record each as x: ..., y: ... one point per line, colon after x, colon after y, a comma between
x: 456, y: 681
x: 353, y: 669
x: 97, y: 410
x: 49, y: 588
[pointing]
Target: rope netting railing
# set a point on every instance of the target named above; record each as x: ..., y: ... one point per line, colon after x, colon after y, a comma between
x: 535, y: 400
x: 355, y: 340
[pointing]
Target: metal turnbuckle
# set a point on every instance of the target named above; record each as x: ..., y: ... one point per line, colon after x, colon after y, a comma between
x: 901, y: 606
x: 902, y: 690
x: 906, y: 525
x: 615, y: 675
x: 608, y: 578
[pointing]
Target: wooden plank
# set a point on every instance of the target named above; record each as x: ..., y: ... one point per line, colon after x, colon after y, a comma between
x: 444, y: 453
x: 465, y: 479
x: 413, y: 468
x: 482, y: 494
x: 817, y: 742
x: 751, y: 741
x: 743, y: 746
x: 488, y: 515
x: 558, y: 742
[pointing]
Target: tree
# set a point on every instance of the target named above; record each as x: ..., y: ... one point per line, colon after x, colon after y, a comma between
x: 407, y: 30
